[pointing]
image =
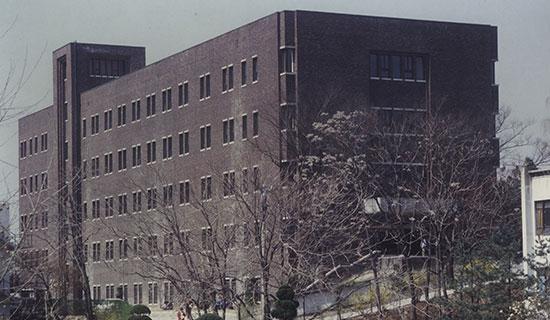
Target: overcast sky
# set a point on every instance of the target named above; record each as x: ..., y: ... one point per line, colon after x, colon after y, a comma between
x: 165, y: 27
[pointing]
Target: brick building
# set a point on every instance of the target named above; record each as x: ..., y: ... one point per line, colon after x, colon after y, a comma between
x: 121, y: 133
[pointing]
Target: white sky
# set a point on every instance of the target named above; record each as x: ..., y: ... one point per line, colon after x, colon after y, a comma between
x: 165, y: 27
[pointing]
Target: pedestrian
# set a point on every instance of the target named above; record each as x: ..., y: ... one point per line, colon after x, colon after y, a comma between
x: 188, y: 305
x: 181, y: 314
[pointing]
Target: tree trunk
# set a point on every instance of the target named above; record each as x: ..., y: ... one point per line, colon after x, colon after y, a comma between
x: 377, y: 287
x: 412, y: 289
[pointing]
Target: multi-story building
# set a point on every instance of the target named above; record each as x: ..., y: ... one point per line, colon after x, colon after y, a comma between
x: 121, y: 132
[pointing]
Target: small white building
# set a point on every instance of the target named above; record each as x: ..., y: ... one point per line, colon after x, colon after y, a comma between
x: 535, y: 207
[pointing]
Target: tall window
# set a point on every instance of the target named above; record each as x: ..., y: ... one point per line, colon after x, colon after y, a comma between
x: 136, y: 156
x: 84, y: 128
x: 136, y: 201
x: 184, y: 192
x: 151, y: 105
x: 168, y: 195
x: 167, y: 100
x: 108, y: 120
x: 227, y: 78
x: 206, y: 238
x: 121, y: 112
x: 206, y: 188
x: 166, y: 148
x: 108, y: 163
x: 109, y: 207
x: 228, y: 130
x: 183, y: 94
x: 254, y: 69
x: 122, y: 160
x: 206, y: 137
x: 136, y: 110
x: 204, y: 84
x: 243, y: 73
x: 151, y: 198
x: 228, y: 183
x: 151, y: 151
x: 122, y: 204
x: 183, y: 139
x: 255, y: 124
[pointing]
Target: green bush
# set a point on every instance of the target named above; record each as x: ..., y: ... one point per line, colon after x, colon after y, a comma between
x: 285, y: 308
x: 209, y: 316
x: 140, y: 309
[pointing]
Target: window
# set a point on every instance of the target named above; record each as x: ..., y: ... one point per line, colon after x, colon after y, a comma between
x: 206, y: 238
x: 183, y: 94
x: 122, y: 204
x: 108, y: 120
x: 44, y: 219
x: 184, y: 192
x: 167, y: 148
x: 136, y: 110
x: 23, y: 149
x: 206, y: 188
x: 229, y: 231
x: 44, y: 180
x: 109, y: 207
x: 84, y: 172
x: 397, y: 66
x: 244, y: 123
x: 151, y: 105
x: 151, y: 198
x: 122, y: 160
x: 23, y: 186
x: 95, y: 124
x: 243, y: 73
x: 152, y: 244
x: 109, y: 250
x: 183, y: 143
x: 84, y: 210
x: 96, y: 251
x: 95, y: 209
x: 151, y: 152
x: 228, y: 183
x: 542, y: 217
x: 44, y: 142
x: 136, y: 156
x: 227, y: 78
x: 228, y: 131
x: 254, y: 69
x: 288, y: 60
x: 108, y: 163
x: 95, y: 166
x: 153, y: 293
x: 206, y: 137
x: 256, y: 178
x: 204, y: 82
x: 168, y: 195
x: 83, y: 127
x: 136, y: 201
x: 121, y: 112
x: 123, y: 249
x: 138, y: 293
x: 167, y: 100
x: 255, y: 124
x: 168, y: 244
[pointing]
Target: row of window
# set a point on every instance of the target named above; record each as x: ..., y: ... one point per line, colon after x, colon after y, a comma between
x: 33, y: 184
x: 183, y: 98
x: 34, y: 258
x: 149, y: 245
x: 152, y: 200
x: 31, y: 146
x: 33, y: 221
x: 397, y: 66
x: 228, y: 136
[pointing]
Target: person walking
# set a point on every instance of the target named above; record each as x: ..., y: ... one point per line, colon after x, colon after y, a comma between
x: 181, y: 314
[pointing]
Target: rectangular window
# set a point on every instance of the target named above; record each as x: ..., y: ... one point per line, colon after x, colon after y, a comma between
x: 184, y: 192
x: 207, y: 85
x: 419, y: 69
x: 202, y: 87
x: 151, y: 105
x: 109, y: 207
x: 136, y: 110
x: 166, y: 148
x: 254, y: 69
x: 22, y: 149
x: 244, y: 123
x: 122, y: 204
x: 136, y: 156
x: 151, y: 152
x: 151, y: 198
x: 256, y: 178
x: 255, y: 124
x: 206, y: 188
x: 84, y: 210
x: 183, y: 94
x: 396, y: 67
x: 542, y: 217
x: 206, y: 138
x: 136, y: 201
x: 230, y: 78
x: 183, y: 143
x: 108, y: 163
x: 168, y: 195
x: 206, y: 238
x: 122, y: 160
x: 288, y: 61
x: 108, y: 120
x: 243, y: 73
x: 83, y: 128
x: 224, y: 79
x: 408, y: 67
x: 167, y: 100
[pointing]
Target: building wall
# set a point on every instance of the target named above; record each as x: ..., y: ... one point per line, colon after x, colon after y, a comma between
x: 331, y: 72
x: 535, y: 186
